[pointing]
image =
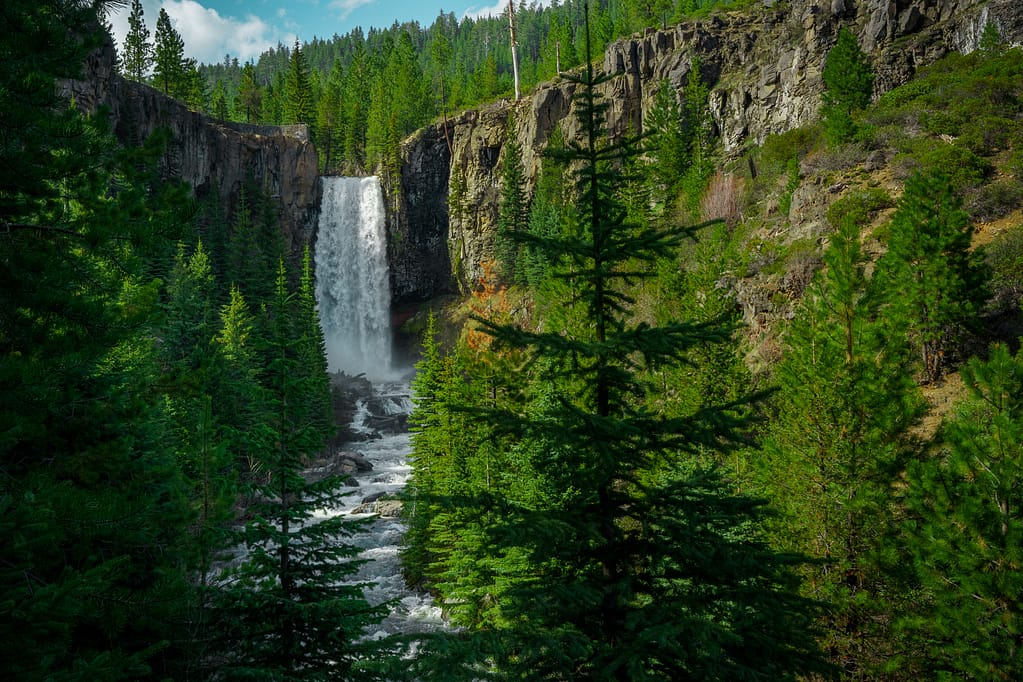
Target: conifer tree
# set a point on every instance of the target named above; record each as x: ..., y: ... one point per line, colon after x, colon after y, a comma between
x: 848, y: 86
x: 835, y: 451
x: 966, y: 525
x: 669, y: 146
x: 513, y: 207
x: 137, y: 55
x: 290, y: 610
x: 941, y: 282
x: 298, y: 96
x: 616, y: 575
x: 250, y: 94
x: 330, y: 129
x: 312, y: 349
x: 168, y: 57
x: 238, y: 394
x: 92, y: 519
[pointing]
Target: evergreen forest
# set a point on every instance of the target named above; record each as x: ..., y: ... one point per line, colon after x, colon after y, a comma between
x: 677, y: 431
x: 363, y: 92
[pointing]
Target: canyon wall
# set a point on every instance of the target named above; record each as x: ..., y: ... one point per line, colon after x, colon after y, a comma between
x: 762, y: 65
x: 210, y: 155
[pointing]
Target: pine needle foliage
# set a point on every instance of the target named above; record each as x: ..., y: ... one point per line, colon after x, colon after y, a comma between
x: 292, y: 610
x: 836, y: 448
x: 943, y: 281
x: 604, y: 573
x: 965, y: 529
x: 92, y: 515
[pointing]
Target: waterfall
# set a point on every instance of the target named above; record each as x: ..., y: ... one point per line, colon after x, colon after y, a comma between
x: 352, y: 283
x: 354, y: 298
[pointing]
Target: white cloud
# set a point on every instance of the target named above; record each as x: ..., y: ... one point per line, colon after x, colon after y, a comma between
x: 208, y: 35
x: 346, y: 7
x: 495, y: 10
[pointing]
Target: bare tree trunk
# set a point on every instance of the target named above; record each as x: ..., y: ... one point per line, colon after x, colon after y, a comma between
x: 514, y: 48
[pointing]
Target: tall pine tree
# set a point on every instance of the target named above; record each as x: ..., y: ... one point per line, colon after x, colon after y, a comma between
x: 168, y: 57
x: 616, y: 574
x: 941, y: 282
x: 966, y: 526
x: 290, y: 610
x: 835, y: 451
x: 92, y: 513
x: 137, y: 53
x: 298, y: 95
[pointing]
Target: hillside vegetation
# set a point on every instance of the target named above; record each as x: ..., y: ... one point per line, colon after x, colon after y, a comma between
x: 783, y: 443
x: 860, y: 281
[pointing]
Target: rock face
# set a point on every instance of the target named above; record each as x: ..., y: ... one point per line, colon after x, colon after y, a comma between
x: 210, y: 155
x: 763, y: 68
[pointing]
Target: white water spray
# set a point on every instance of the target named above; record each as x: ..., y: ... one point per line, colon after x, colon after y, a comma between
x: 352, y: 283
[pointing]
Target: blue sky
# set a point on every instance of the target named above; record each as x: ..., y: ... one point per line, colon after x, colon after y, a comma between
x: 246, y: 28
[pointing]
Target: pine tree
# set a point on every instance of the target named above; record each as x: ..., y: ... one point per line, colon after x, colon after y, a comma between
x: 513, y: 207
x: 941, y: 282
x: 669, y: 145
x: 848, y: 87
x: 250, y: 94
x: 965, y: 528
x: 92, y: 518
x: 290, y: 610
x: 330, y: 125
x: 168, y: 57
x: 298, y: 96
x: 616, y: 575
x: 835, y: 451
x: 137, y: 55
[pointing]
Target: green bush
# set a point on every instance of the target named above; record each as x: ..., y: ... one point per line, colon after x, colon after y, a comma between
x: 964, y: 168
x: 995, y: 199
x: 986, y: 135
x: 1004, y: 255
x: 858, y: 206
x: 793, y: 144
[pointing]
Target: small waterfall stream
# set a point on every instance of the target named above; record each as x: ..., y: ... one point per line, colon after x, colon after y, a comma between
x: 353, y: 294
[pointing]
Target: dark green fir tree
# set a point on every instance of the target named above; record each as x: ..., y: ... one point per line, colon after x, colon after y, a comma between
x: 298, y: 95
x: 631, y: 562
x: 93, y: 516
x: 291, y: 609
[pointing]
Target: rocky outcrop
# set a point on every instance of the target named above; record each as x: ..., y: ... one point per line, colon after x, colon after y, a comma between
x: 210, y: 155
x: 417, y: 220
x: 763, y: 67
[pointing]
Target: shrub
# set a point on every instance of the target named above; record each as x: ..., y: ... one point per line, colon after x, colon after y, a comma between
x: 996, y: 199
x: 986, y: 135
x: 1004, y: 255
x: 778, y: 149
x: 858, y: 205
x: 964, y: 168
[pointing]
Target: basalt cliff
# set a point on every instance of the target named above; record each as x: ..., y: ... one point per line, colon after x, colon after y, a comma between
x: 762, y: 65
x: 212, y: 156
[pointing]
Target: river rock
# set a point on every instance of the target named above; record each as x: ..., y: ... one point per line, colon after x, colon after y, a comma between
x: 385, y: 507
x: 340, y: 463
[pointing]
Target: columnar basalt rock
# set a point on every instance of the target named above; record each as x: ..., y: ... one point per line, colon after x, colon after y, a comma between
x: 210, y: 155
x: 763, y: 66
